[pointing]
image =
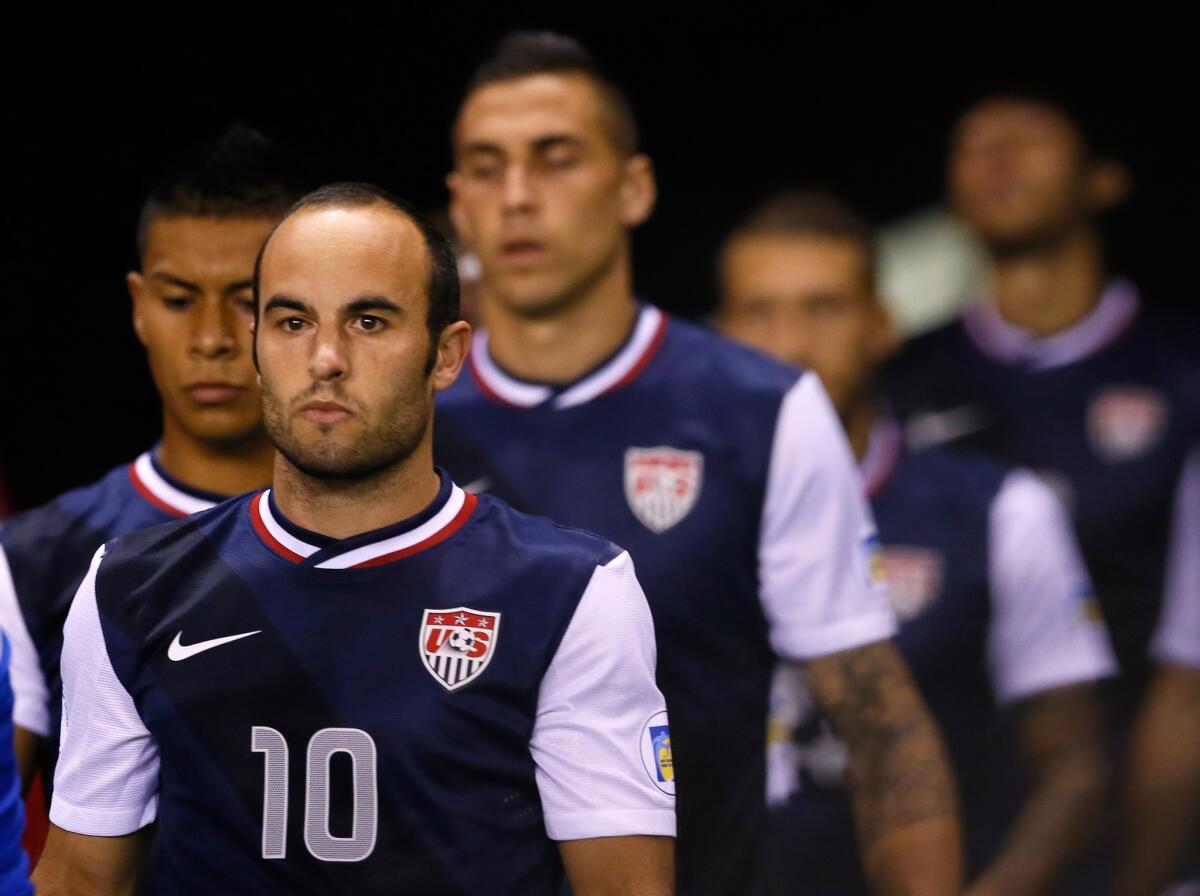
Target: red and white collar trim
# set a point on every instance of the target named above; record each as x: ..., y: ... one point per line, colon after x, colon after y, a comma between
x: 454, y: 513
x: 1002, y: 341
x: 623, y: 367
x: 883, y: 452
x: 162, y: 494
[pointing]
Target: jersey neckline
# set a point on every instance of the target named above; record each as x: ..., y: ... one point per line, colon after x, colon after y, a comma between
x: 444, y: 516
x: 166, y: 492
x: 619, y: 369
x: 1002, y: 341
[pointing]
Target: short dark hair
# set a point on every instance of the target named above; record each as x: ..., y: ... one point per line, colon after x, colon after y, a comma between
x: 443, y: 270
x: 521, y: 54
x: 1093, y: 127
x: 239, y: 174
x: 811, y: 213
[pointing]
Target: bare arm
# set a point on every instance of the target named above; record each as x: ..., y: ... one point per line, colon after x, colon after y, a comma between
x: 1163, y: 796
x: 25, y: 745
x: 898, y: 779
x: 1062, y: 743
x: 78, y: 865
x: 620, y: 866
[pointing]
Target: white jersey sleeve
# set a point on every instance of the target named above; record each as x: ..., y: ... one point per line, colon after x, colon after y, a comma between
x: 601, y: 741
x: 1178, y: 637
x: 819, y: 579
x: 1046, y: 630
x: 31, y: 697
x: 106, y: 782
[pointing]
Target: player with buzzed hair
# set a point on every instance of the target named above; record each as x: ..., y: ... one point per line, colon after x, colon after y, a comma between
x: 363, y: 680
x: 198, y: 233
x: 723, y: 472
x: 996, y: 613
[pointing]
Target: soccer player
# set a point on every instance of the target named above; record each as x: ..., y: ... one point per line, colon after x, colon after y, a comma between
x: 1162, y: 825
x: 364, y: 680
x: 199, y: 231
x: 984, y: 574
x: 724, y: 473
x: 1060, y: 367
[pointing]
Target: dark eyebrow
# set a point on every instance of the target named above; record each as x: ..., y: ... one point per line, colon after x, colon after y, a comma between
x: 552, y: 140
x: 373, y: 303
x: 175, y: 281
x: 239, y: 286
x: 288, y: 303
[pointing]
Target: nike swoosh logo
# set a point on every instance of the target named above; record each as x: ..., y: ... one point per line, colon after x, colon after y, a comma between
x: 178, y: 651
x: 938, y: 427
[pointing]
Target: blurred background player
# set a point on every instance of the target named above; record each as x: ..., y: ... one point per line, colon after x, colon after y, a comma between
x: 489, y: 676
x: 14, y: 865
x: 1060, y: 367
x: 197, y: 238
x: 984, y: 574
x: 724, y: 473
x: 1162, y: 820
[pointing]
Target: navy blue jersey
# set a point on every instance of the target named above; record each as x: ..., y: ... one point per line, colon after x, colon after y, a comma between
x: 727, y: 477
x: 1105, y: 412
x: 44, y: 554
x: 420, y: 709
x: 994, y: 606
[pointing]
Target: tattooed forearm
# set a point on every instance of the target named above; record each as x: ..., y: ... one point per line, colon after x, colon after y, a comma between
x: 898, y: 777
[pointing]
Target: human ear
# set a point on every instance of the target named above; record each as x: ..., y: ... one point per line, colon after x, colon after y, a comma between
x: 453, y: 345
x: 639, y: 190
x: 136, y: 284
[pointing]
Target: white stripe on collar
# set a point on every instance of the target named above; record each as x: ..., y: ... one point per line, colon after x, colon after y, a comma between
x: 364, y: 553
x: 646, y: 330
x: 174, y: 498
x: 1003, y: 341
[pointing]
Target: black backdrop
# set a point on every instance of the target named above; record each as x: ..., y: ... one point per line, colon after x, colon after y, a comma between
x: 731, y: 106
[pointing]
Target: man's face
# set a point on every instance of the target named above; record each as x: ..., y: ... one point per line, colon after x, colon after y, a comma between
x: 343, y: 343
x: 806, y: 300
x: 540, y: 193
x: 1018, y: 173
x: 192, y: 311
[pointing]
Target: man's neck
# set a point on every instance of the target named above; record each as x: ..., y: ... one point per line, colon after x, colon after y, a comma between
x: 340, y: 508
x: 227, y: 469
x: 859, y: 421
x: 1050, y: 289
x: 562, y: 347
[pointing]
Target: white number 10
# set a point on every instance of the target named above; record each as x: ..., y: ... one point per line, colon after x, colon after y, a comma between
x: 321, y: 747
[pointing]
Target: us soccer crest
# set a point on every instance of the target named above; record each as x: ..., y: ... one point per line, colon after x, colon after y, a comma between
x: 914, y: 577
x: 662, y: 484
x: 1126, y: 421
x: 457, y: 644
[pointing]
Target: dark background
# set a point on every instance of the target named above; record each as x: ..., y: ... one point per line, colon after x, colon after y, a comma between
x: 731, y: 106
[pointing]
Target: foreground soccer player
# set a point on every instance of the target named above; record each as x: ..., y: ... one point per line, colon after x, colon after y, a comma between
x: 984, y: 574
x: 363, y: 680
x: 200, y: 230
x: 723, y: 472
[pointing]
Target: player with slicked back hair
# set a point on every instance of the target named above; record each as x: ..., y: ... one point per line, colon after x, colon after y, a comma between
x: 198, y: 234
x: 724, y: 473
x: 996, y: 612
x: 489, y: 676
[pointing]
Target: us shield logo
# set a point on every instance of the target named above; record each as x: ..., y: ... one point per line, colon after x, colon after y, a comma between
x: 662, y: 484
x: 457, y: 644
x: 1125, y: 422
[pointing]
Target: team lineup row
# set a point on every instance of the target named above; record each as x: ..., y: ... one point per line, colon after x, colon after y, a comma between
x: 368, y: 678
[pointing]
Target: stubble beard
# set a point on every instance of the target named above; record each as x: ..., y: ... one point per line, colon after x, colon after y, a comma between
x: 402, y: 425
